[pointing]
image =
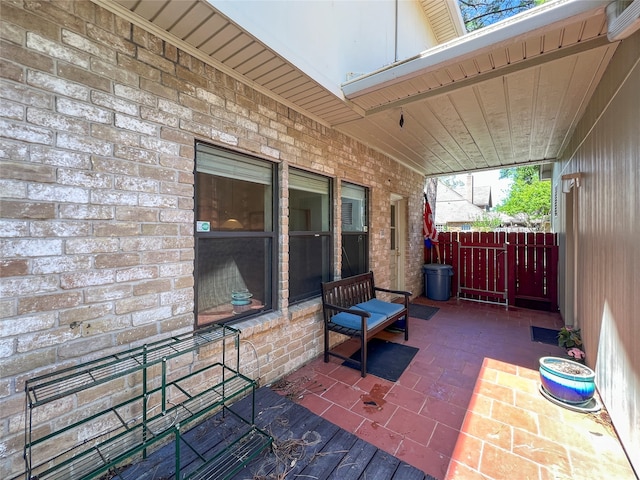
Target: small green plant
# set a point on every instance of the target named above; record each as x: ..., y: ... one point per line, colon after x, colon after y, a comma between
x: 570, y: 338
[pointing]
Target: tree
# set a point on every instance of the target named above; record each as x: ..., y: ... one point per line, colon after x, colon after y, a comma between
x: 529, y: 199
x: 480, y: 13
x: 487, y: 222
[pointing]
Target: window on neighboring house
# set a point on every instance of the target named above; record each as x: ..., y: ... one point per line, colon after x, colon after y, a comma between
x: 235, y: 235
x: 309, y: 234
x: 355, y: 237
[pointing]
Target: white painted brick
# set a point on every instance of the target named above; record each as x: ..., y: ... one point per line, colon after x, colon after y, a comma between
x: 176, y: 216
x: 55, y: 121
x: 209, y: 97
x: 8, y: 308
x: 57, y: 85
x: 13, y: 188
x: 91, y: 245
x: 136, y: 184
x: 33, y: 341
x: 53, y: 228
x: 61, y: 158
x: 17, y: 286
x: 86, y: 45
x: 25, y: 133
x: 114, y: 103
x: 134, y: 95
x: 140, y: 244
x: 176, y: 296
x: 7, y: 347
x: 174, y: 109
x: 151, y: 316
x: 87, y: 179
x: 163, y: 201
x: 224, y: 137
x: 83, y: 144
x: 67, y: 263
x: 30, y: 248
x: 57, y: 193
x: 86, y: 212
x: 111, y: 197
x: 271, y: 152
x: 86, y: 279
x: 133, y: 124
x: 55, y: 50
x: 12, y: 110
x: 14, y: 228
x: 83, y: 110
x: 110, y: 292
x: 176, y: 269
x: 160, y: 146
x: 136, y: 273
x: 25, y: 95
x: 25, y: 324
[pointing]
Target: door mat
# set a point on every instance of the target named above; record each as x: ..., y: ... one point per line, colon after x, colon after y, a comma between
x: 385, y: 359
x: 425, y: 312
x: 544, y: 335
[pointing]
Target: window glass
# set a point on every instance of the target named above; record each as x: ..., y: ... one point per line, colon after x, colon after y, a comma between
x: 309, y: 234
x: 235, y: 239
x: 355, y: 238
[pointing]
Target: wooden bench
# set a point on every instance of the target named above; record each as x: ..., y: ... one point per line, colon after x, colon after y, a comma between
x: 350, y: 307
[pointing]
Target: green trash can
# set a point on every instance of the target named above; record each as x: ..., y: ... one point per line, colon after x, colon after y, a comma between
x: 437, y: 281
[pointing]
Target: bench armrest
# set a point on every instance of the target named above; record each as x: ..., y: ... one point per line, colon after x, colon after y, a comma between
x: 398, y: 292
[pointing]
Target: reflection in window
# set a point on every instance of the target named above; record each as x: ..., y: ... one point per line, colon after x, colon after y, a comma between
x: 355, y: 238
x: 309, y: 234
x: 234, y: 235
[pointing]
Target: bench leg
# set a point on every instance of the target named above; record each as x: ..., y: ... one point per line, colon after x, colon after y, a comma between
x: 326, y: 344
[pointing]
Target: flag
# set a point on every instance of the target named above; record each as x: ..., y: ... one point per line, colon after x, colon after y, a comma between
x: 429, y: 229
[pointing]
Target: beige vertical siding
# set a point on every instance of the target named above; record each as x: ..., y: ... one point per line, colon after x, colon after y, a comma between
x: 605, y: 149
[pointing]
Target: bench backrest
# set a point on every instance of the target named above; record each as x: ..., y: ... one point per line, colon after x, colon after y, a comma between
x: 349, y: 291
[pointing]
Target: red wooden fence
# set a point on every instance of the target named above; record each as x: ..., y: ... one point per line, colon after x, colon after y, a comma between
x: 518, y: 269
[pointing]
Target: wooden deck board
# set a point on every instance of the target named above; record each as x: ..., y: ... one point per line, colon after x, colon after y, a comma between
x: 321, y: 449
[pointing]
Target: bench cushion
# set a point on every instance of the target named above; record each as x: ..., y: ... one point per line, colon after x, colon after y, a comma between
x: 379, y: 306
x: 349, y: 320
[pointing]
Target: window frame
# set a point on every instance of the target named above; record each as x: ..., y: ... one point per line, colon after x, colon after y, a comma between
x: 328, y: 234
x: 272, y: 235
x: 354, y: 233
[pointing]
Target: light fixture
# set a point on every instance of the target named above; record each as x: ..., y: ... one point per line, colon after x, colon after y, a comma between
x: 232, y: 224
x: 401, y: 119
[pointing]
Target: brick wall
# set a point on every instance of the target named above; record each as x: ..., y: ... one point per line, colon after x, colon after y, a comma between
x: 97, y: 131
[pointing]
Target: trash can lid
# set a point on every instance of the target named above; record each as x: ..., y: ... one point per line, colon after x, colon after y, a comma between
x: 436, y: 267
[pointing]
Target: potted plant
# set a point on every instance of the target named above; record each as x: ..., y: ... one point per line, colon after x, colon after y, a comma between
x: 567, y: 381
x: 571, y: 340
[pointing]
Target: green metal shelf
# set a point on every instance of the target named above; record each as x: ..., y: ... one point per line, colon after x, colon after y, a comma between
x: 125, y: 438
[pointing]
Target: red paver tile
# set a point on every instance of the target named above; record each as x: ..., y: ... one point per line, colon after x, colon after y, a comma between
x: 316, y: 404
x: 460, y: 471
x: 379, y: 436
x: 444, y: 412
x: 416, y: 427
x: 542, y: 451
x: 343, y: 395
x: 517, y: 417
x: 515, y: 382
x: 343, y: 418
x: 444, y: 439
x: 501, y: 464
x: 467, y: 450
x: 406, y: 398
x: 429, y: 461
x: 488, y: 430
x: 495, y: 391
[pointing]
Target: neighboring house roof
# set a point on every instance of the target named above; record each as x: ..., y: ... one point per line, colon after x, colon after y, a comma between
x: 472, y: 103
x: 451, y: 207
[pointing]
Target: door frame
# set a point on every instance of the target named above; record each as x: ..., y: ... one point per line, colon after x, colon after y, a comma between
x: 400, y: 204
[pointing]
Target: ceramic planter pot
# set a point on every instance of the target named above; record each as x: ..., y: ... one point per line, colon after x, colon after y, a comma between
x: 566, y: 380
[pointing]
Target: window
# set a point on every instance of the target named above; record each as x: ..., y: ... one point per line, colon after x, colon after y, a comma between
x: 235, y: 237
x: 309, y: 234
x: 355, y: 237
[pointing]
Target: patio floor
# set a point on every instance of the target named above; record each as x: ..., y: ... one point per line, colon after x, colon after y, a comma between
x: 468, y: 405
